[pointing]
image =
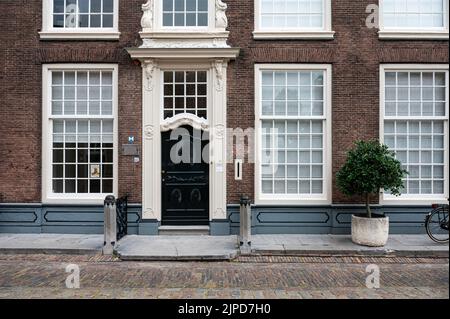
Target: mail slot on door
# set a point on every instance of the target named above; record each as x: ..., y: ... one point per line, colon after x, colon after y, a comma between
x: 130, y: 150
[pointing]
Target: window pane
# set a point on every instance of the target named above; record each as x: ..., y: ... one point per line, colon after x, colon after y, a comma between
x: 108, y: 6
x: 292, y: 14
x: 83, y: 6
x: 83, y: 13
x: 414, y: 14
x: 58, y: 21
x: 181, y: 13
x: 77, y: 143
x: 108, y: 20
x: 299, y: 143
x: 96, y: 6
x: 188, y: 95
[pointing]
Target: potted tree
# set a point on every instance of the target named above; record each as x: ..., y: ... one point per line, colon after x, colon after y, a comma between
x: 370, y: 167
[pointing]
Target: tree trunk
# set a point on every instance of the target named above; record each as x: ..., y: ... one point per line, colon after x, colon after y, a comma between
x: 369, y: 211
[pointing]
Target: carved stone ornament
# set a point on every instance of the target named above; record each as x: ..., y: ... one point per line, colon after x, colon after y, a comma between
x: 218, y: 65
x: 184, y: 119
x: 219, y: 131
x: 147, y: 17
x: 185, y: 43
x: 220, y: 213
x: 149, y: 213
x: 149, y: 132
x: 149, y: 69
x: 221, y: 16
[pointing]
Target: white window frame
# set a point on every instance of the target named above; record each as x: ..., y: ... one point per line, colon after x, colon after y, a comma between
x: 188, y: 29
x: 195, y: 68
x: 48, y: 197
x: 412, y: 33
x: 48, y: 32
x: 416, y: 199
x: 324, y: 33
x: 294, y: 199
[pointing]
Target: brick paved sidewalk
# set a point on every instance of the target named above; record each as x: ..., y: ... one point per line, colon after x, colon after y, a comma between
x: 43, y: 276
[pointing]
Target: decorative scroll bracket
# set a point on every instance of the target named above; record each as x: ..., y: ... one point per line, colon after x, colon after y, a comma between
x: 149, y: 69
x: 221, y: 16
x: 147, y: 17
x: 149, y: 131
x: 218, y: 66
x: 184, y: 119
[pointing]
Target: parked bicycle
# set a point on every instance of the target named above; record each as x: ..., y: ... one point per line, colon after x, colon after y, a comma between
x: 436, y: 223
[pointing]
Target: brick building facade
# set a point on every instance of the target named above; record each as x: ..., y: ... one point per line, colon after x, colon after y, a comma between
x: 134, y: 49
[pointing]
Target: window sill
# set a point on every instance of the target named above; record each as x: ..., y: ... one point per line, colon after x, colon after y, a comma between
x: 79, y: 35
x: 293, y: 35
x: 98, y: 201
x: 413, y: 35
x: 279, y: 201
x: 402, y: 201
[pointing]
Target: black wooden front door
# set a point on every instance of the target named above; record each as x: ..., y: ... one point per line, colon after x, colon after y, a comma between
x: 185, y: 184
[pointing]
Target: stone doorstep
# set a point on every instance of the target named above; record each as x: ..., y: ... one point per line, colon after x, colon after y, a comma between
x: 210, y: 258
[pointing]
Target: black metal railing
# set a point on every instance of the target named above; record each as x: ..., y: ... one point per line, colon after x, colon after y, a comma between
x: 122, y: 217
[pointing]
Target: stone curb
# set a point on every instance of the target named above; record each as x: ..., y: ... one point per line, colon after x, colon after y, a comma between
x: 334, y: 253
x: 49, y: 251
x: 226, y: 257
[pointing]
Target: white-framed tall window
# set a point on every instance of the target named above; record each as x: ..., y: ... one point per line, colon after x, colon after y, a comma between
x: 414, y: 124
x: 185, y: 13
x: 80, y: 19
x: 79, y: 132
x: 293, y: 19
x: 411, y: 19
x: 293, y: 134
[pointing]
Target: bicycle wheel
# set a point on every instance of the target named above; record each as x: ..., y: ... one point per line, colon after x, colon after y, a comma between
x: 434, y: 224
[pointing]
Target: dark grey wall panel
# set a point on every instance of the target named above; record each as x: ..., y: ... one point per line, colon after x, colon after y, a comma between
x: 35, y: 218
x: 326, y: 220
x: 60, y: 219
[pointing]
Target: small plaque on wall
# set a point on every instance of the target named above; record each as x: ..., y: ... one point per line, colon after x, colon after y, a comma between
x: 130, y: 150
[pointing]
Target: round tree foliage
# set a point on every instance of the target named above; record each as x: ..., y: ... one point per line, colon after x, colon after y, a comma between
x: 370, y: 166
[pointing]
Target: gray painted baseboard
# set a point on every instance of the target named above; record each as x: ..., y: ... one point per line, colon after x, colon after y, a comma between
x: 37, y: 218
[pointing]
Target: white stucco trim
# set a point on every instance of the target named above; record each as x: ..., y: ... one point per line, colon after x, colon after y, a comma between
x: 293, y: 200
x: 421, y: 199
x: 48, y: 197
x: 197, y: 53
x: 78, y: 35
x: 413, y: 35
x: 310, y: 35
x: 153, y: 124
x: 155, y: 35
x: 48, y: 32
x: 324, y: 33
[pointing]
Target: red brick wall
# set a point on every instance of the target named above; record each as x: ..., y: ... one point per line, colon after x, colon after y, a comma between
x: 21, y: 58
x: 355, y: 54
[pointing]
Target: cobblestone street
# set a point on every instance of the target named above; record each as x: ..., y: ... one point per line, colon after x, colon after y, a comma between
x: 44, y: 276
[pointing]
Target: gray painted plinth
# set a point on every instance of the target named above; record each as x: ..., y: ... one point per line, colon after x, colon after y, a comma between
x: 177, y: 248
x: 51, y: 244
x: 310, y: 245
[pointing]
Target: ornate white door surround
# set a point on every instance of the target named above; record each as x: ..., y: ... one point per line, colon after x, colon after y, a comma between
x: 183, y: 49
